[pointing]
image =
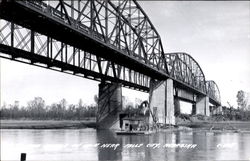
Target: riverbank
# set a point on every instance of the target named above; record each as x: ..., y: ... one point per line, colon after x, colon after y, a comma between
x: 220, y: 125
x: 91, y: 123
x: 47, y: 124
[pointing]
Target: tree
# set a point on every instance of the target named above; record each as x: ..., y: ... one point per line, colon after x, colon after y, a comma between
x: 80, y: 103
x: 37, y: 103
x: 63, y: 103
x: 37, y: 107
x: 241, y: 100
x: 61, y: 107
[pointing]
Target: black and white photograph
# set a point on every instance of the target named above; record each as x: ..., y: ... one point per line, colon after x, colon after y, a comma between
x: 124, y: 80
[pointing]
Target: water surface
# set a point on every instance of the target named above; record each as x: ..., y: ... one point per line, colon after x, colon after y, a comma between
x: 88, y: 144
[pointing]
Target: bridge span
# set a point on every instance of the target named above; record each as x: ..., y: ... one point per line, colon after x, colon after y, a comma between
x: 113, y: 42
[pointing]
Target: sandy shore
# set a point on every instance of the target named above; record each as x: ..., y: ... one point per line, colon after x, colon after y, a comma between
x: 46, y: 124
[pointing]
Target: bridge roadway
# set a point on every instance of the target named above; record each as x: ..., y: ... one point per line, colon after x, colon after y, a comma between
x: 103, y: 40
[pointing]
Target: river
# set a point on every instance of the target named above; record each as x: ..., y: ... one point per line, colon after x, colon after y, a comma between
x: 89, y: 144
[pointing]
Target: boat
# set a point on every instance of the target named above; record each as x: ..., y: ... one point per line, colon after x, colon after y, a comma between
x: 136, y: 124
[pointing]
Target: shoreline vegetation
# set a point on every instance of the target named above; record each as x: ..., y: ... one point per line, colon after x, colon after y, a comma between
x: 36, y: 109
x: 37, y: 115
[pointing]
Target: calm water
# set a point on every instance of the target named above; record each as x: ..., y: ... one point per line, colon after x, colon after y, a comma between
x: 82, y: 144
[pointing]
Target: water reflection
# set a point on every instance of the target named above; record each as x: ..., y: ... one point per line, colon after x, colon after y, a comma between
x: 78, y: 144
x: 108, y: 137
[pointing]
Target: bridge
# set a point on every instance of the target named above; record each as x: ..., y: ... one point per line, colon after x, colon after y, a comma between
x: 113, y: 42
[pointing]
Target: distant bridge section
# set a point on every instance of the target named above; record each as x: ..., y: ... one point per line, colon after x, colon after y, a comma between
x: 185, y: 69
x: 213, y: 92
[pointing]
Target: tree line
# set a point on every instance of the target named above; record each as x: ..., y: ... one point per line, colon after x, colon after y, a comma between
x: 37, y: 109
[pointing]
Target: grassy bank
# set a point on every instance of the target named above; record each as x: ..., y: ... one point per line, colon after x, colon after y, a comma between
x: 47, y: 124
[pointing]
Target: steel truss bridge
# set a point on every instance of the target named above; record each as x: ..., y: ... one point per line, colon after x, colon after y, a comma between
x: 104, y: 40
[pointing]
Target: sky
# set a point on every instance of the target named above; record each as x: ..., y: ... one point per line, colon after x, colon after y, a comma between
x: 215, y: 33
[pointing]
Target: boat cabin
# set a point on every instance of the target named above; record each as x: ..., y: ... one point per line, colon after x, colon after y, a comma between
x: 133, y: 124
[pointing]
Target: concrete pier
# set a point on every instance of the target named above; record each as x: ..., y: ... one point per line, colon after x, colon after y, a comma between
x: 177, y: 107
x: 109, y: 106
x: 202, y: 105
x: 161, y: 101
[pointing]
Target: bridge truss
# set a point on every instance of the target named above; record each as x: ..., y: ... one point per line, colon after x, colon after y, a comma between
x: 104, y: 40
x: 184, y: 68
x: 24, y: 45
x: 213, y: 91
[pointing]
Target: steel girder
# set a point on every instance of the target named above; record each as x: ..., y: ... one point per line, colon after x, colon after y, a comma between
x: 24, y: 45
x: 213, y: 91
x: 119, y: 24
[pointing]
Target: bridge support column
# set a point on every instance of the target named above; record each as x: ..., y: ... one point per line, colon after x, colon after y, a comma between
x: 161, y: 101
x: 109, y: 106
x: 202, y: 106
x: 216, y: 110
x: 177, y: 107
x: 219, y: 110
x: 193, y: 109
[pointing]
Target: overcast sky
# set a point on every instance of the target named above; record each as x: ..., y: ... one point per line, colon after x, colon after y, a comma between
x: 216, y: 34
